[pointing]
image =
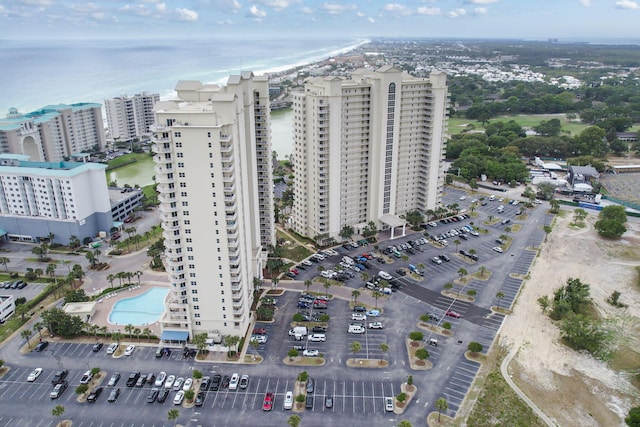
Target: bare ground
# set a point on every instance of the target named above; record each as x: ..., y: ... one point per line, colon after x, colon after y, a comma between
x: 571, y: 387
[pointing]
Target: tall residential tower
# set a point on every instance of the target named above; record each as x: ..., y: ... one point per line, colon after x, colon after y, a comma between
x: 367, y: 149
x: 130, y: 117
x: 214, y: 175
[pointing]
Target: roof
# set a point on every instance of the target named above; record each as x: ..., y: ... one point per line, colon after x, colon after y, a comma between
x: 188, y: 85
x: 392, y: 220
x: 584, y: 170
x: 77, y: 308
x: 174, y: 335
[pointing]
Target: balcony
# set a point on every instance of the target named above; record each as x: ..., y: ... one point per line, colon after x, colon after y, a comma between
x: 228, y: 169
x: 169, y: 243
x: 226, y: 149
x: 161, y: 147
x: 166, y: 197
x: 236, y: 286
x: 168, y: 226
x: 167, y: 208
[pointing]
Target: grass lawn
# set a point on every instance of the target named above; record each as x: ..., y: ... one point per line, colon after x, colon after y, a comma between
x: 457, y: 125
x: 127, y: 158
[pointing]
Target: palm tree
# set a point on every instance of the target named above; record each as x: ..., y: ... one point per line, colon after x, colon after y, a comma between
x: 365, y: 276
x: 4, y: 261
x: 355, y: 347
x: 326, y: 286
x: 26, y: 334
x: 91, y: 257
x: 462, y: 272
x: 37, y: 327
x: 555, y: 206
x: 376, y: 295
x: 110, y: 279
x: 499, y: 295
x: 138, y: 273
x: 307, y: 284
x: 38, y: 272
x: 547, y: 229
x: 58, y: 411
x: 441, y: 405
x: 51, y: 269
x: 120, y: 275
x: 355, y: 294
x: 128, y: 329
x: 147, y: 333
x: 274, y: 282
x: 137, y: 332
x: 483, y: 270
x: 173, y: 414
x: 384, y: 348
x: 456, y: 242
x: 507, y: 230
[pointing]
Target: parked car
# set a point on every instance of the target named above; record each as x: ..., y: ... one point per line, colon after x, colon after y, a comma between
x: 360, y: 309
x: 177, y: 384
x: 169, y: 381
x: 113, y: 396
x: 453, y: 314
x: 328, y: 401
x: 188, y: 383
x: 244, y: 381
x: 259, y: 331
x: 358, y: 316
x: 310, y: 353
x: 497, y: 249
x: 86, y: 377
x: 376, y: 325
x: 114, y: 380
x: 41, y: 346
x: 129, y: 350
x: 34, y: 375
x: 112, y: 348
x: 97, y: 347
x: 58, y: 390
x: 133, y: 379
x: 162, y: 376
x: 215, y: 382
x: 436, y: 260
x: 317, y: 337
x: 310, y: 386
x: 60, y: 376
x: 162, y: 395
x: 388, y: 404
x: 200, y: 398
x: 95, y: 393
x: 308, y: 403
x: 179, y: 397
x: 288, y: 400
x: 267, y: 404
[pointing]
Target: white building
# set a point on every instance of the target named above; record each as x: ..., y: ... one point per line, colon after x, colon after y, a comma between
x: 7, y: 307
x: 368, y: 148
x: 63, y: 198
x: 54, y: 132
x: 213, y: 168
x: 130, y: 117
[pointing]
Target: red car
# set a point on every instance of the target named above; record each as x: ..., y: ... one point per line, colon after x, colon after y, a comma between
x: 453, y: 314
x: 295, y: 271
x: 259, y: 331
x: 267, y: 405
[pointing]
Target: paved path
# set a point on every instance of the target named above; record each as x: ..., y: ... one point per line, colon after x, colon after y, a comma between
x: 504, y: 369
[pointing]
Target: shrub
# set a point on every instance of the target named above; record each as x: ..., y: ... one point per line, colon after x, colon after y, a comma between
x: 20, y: 301
x: 416, y: 336
x: 82, y: 388
x: 303, y: 376
x: 422, y: 353
x: 401, y: 397
x: 474, y: 347
x: 410, y: 380
x: 425, y: 318
x: 300, y: 398
x: 446, y: 325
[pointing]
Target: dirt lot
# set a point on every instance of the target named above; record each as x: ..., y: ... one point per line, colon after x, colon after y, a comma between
x: 574, y: 388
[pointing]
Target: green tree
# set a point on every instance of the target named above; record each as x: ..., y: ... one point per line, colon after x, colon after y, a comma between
x: 355, y: 347
x: 611, y: 222
x: 58, y: 411
x: 457, y: 243
x: 422, y: 353
x: 555, y: 206
x: 461, y: 273
x: 292, y: 353
x: 4, y: 261
x: 474, y: 347
x: 327, y: 285
x: 173, y: 414
x: 499, y: 295
x: 200, y: 341
x: 197, y: 374
x: 544, y: 303
x: 376, y: 295
x: 583, y: 333
x: 416, y: 336
x: 441, y: 405
x: 633, y: 419
x: 189, y: 395
x: 294, y: 421
x: 355, y: 294
x: 307, y: 284
x: 26, y: 334
x: 60, y: 323
x: 82, y: 388
x: 346, y: 232
x: 384, y: 348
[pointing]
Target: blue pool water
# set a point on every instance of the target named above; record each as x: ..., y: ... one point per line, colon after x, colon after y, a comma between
x: 140, y: 310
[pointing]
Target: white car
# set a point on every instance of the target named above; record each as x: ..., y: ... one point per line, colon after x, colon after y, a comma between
x: 288, y: 400
x: 160, y: 379
x: 34, y: 375
x: 376, y: 325
x: 260, y: 339
x: 358, y: 316
x: 462, y: 197
x: 310, y: 353
x: 317, y: 337
x: 112, y: 348
x: 497, y: 249
x: 188, y: 383
x: 179, y: 398
x: 169, y: 382
x: 388, y: 404
x: 177, y: 384
x: 129, y: 350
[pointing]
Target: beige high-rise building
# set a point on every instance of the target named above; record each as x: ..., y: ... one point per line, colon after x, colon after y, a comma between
x: 367, y: 149
x: 213, y: 168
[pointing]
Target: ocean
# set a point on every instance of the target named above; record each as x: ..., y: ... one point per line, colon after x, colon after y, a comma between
x: 39, y: 73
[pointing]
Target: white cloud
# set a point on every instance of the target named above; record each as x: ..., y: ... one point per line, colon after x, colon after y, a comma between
x: 585, y: 3
x: 482, y: 1
x: 480, y: 11
x: 306, y: 9
x: 256, y: 12
x: 161, y: 6
x: 225, y: 22
x: 371, y: 20
x: 277, y: 4
x: 334, y: 9
x: 187, y: 14
x: 397, y: 9
x: 99, y: 16
x: 40, y: 3
x: 627, y: 4
x: 432, y: 11
x: 457, y: 13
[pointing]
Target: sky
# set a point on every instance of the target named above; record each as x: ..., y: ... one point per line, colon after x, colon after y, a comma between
x: 586, y: 20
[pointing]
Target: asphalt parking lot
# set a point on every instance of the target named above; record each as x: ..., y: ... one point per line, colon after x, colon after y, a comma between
x: 357, y: 393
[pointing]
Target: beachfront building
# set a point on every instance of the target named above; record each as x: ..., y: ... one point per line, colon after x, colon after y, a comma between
x: 367, y: 149
x: 63, y: 198
x: 53, y: 133
x: 129, y: 118
x: 213, y: 168
x: 7, y: 307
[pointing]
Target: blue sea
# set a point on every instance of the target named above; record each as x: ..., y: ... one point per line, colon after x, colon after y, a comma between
x: 38, y: 73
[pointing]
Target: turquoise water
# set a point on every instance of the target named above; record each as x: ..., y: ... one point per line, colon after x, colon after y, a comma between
x: 140, y: 310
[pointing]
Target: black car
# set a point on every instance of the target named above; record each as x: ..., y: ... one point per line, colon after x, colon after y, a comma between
x: 225, y: 381
x: 153, y: 395
x: 113, y: 396
x: 308, y: 403
x: 200, y: 398
x: 401, y: 271
x: 444, y: 258
x: 290, y: 274
x: 59, y: 376
x: 319, y: 329
x: 301, y: 267
x: 93, y: 396
x: 432, y: 316
x: 133, y: 379
x: 215, y: 382
x: 360, y: 309
x: 162, y: 395
x: 474, y: 257
x: 23, y: 285
x: 97, y: 347
x: 41, y: 346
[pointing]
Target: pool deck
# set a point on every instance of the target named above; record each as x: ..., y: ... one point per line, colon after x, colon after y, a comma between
x: 104, y: 306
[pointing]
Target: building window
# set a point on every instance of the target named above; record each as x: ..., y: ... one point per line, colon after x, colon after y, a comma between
x: 178, y: 144
x: 198, y: 323
x: 185, y: 203
x: 179, y: 155
x: 183, y: 185
x: 177, y: 134
x: 197, y: 315
x: 180, y: 165
x: 183, y: 194
x: 181, y: 174
x: 195, y: 299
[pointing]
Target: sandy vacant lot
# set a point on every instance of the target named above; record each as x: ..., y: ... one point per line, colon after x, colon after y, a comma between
x: 574, y: 388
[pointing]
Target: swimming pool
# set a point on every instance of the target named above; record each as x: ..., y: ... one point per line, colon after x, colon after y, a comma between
x: 140, y: 310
